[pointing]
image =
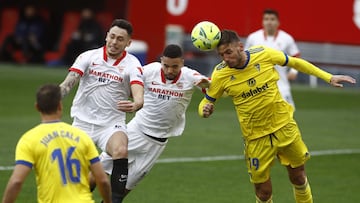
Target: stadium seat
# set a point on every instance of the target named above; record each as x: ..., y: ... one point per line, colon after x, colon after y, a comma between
x: 71, y: 20
x: 9, y: 18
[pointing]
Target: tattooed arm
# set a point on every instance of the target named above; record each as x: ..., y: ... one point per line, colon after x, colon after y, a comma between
x: 70, y: 81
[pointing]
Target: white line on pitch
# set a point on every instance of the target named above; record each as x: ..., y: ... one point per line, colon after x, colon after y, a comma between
x: 239, y: 157
x: 229, y: 157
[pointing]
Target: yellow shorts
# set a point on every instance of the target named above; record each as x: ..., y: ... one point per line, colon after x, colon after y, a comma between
x: 286, y: 144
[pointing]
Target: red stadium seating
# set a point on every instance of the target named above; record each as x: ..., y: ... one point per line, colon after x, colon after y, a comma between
x: 9, y: 18
x: 70, y: 23
x: 71, y: 20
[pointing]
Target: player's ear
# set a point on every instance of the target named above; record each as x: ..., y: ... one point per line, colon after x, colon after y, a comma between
x: 129, y: 43
x: 37, y: 106
x: 60, y: 106
x: 241, y: 45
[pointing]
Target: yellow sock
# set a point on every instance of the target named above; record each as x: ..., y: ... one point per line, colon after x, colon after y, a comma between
x: 260, y: 201
x: 302, y: 193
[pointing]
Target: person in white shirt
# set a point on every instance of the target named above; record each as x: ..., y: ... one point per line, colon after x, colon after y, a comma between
x: 270, y: 35
x: 169, y: 86
x: 110, y: 84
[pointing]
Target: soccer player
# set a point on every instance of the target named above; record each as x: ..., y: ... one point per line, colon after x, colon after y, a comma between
x: 169, y: 86
x: 276, y: 38
x: 266, y: 119
x: 109, y: 76
x: 61, y: 155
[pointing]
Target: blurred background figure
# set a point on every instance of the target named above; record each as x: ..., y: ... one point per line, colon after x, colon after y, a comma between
x: 27, y: 43
x: 270, y: 35
x: 89, y: 35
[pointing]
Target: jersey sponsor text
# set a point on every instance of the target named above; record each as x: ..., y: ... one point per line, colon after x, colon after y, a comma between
x: 105, y: 76
x: 166, y: 94
x: 255, y: 91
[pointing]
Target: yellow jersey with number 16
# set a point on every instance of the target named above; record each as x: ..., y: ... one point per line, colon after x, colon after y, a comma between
x: 61, y: 156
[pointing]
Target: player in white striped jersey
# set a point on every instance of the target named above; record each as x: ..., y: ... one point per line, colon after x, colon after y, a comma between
x: 169, y: 86
x: 276, y: 38
x: 108, y: 77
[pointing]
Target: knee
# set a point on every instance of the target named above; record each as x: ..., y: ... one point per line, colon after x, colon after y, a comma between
x: 299, y: 179
x: 117, y: 147
x: 297, y: 175
x: 120, y: 151
x: 263, y: 192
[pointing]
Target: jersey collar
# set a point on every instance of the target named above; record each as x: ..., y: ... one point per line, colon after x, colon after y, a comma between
x: 266, y: 35
x: 123, y: 54
x: 163, y: 78
x: 247, y: 60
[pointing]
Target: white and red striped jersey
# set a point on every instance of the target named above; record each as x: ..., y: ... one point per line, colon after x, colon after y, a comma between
x: 103, y: 83
x: 165, y: 101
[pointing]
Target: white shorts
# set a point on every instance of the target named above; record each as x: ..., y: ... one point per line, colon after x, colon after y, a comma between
x: 100, y: 134
x: 143, y: 152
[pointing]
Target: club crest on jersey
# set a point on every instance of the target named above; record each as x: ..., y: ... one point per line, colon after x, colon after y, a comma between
x: 120, y: 68
x: 257, y: 66
x: 180, y: 85
x: 232, y: 77
x: 251, y: 82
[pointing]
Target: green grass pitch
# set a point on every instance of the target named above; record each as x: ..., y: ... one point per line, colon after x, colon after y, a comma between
x: 329, y: 119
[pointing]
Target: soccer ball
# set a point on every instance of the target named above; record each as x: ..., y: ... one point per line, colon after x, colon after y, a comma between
x: 205, y: 35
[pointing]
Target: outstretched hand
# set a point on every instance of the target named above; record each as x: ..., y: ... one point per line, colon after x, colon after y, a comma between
x: 203, y: 83
x: 337, y: 80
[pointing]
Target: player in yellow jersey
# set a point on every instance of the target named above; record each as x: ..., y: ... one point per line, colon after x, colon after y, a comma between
x: 266, y: 119
x: 61, y: 155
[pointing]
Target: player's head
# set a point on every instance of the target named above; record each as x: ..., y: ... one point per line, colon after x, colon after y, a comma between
x: 172, y: 61
x: 48, y: 99
x: 118, y: 37
x: 230, y: 48
x: 270, y: 21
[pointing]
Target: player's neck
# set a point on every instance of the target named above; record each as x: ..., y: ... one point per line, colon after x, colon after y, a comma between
x: 270, y: 32
x: 50, y: 118
x: 115, y: 57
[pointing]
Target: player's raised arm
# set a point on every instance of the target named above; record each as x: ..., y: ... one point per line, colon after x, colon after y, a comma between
x: 308, y: 68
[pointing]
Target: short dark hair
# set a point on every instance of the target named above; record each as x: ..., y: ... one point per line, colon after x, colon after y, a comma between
x: 48, y: 98
x: 228, y: 37
x: 124, y: 24
x: 271, y: 11
x: 173, y: 51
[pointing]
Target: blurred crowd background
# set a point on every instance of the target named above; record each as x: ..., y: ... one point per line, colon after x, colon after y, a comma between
x: 53, y: 33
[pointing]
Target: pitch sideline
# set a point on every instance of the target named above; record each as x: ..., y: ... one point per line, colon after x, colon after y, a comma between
x: 230, y: 157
